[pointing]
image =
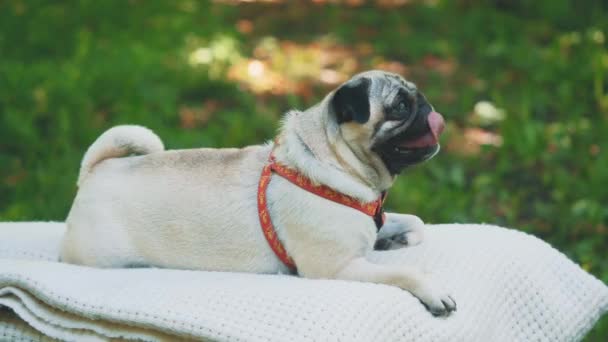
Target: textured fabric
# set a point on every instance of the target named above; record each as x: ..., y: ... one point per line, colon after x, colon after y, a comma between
x: 509, y: 286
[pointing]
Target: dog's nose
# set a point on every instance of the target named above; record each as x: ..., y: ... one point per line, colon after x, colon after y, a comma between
x: 436, y: 124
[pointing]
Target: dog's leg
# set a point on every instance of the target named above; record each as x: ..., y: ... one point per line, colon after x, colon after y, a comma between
x: 399, y: 230
x: 437, y: 301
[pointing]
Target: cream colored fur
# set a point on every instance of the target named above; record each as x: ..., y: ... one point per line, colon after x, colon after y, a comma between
x: 119, y: 142
x: 196, y: 209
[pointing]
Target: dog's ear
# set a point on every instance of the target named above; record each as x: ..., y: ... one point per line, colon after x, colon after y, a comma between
x: 351, y: 101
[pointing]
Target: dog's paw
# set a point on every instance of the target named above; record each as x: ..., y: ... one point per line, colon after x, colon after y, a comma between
x: 385, y: 245
x: 398, y: 241
x: 399, y: 231
x: 437, y: 301
x: 410, y: 238
x: 441, y: 306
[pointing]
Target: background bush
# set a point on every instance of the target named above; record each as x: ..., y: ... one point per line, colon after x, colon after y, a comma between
x: 521, y: 83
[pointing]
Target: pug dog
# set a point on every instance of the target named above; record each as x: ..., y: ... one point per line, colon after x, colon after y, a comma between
x: 139, y: 205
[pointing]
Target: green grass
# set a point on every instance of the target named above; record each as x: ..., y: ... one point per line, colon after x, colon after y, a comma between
x: 71, y: 69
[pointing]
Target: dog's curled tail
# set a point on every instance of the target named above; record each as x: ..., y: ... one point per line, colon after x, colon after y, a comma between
x: 119, y: 141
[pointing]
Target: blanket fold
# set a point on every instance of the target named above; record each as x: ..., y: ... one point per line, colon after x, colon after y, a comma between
x: 509, y: 286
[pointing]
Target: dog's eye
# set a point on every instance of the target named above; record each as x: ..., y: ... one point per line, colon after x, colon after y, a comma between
x: 400, y: 111
x: 401, y: 107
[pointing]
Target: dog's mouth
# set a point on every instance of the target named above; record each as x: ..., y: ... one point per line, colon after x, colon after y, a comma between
x: 416, y: 144
x: 430, y: 138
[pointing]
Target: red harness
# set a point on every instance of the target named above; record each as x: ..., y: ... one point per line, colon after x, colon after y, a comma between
x: 373, y: 209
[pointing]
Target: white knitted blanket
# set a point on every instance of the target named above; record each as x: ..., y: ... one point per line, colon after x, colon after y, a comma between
x: 509, y: 286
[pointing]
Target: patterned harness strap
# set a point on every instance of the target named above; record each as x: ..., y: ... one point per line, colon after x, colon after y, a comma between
x: 373, y: 209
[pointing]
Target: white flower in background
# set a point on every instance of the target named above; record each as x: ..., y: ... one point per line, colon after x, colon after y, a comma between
x: 597, y: 36
x: 256, y: 68
x: 200, y: 56
x: 487, y: 113
x: 214, y: 56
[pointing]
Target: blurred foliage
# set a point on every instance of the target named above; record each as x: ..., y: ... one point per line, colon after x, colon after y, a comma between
x: 523, y: 85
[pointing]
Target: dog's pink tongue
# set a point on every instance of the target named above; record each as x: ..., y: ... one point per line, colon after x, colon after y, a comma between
x: 436, y: 124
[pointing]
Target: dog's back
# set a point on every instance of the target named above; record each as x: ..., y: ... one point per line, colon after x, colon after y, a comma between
x: 143, y: 210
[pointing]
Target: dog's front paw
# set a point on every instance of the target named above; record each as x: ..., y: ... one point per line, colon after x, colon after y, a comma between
x: 400, y: 230
x: 410, y: 238
x: 436, y: 300
x: 398, y: 241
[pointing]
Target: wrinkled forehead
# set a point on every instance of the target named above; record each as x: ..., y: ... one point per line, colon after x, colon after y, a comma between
x: 385, y: 86
x: 389, y: 85
x: 384, y: 83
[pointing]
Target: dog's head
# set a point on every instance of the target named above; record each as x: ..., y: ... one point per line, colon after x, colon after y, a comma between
x: 383, y: 114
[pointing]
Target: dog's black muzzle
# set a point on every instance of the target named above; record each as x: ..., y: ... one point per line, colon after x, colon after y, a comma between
x: 419, y: 142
